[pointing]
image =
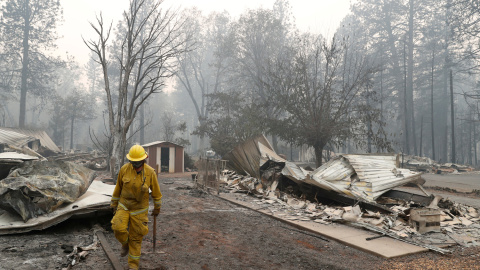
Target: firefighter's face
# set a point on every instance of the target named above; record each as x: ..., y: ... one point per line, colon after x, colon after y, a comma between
x: 137, y: 164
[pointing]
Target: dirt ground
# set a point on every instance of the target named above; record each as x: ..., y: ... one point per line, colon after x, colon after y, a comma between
x: 200, y: 231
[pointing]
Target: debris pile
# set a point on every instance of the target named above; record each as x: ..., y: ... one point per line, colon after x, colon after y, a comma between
x: 425, y: 164
x: 93, y: 160
x: 41, y: 186
x: 18, y: 145
x: 28, y: 141
x: 38, y: 187
x: 445, y: 224
x: 77, y: 253
x: 353, y: 189
x: 364, y: 177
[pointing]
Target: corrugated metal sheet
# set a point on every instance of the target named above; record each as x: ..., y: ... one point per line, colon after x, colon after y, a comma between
x: 15, y: 155
x: 245, y: 158
x: 14, y: 138
x: 41, y: 135
x: 333, y: 175
x: 363, y: 176
x: 291, y: 170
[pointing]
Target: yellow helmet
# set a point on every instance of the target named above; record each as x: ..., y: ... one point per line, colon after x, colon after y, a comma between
x: 137, y: 153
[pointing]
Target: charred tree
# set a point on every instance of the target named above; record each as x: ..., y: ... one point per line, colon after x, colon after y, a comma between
x: 432, y: 115
x: 452, y: 117
x: 142, y: 64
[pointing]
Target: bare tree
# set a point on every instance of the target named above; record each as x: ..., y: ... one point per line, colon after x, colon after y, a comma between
x: 173, y: 130
x: 168, y: 127
x: 203, y: 71
x: 148, y: 42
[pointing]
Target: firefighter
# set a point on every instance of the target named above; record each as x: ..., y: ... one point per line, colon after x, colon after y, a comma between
x: 130, y: 202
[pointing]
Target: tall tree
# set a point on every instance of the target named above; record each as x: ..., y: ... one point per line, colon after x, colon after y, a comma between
x: 173, y: 130
x: 233, y: 119
x: 410, y: 102
x: 144, y: 53
x: 323, y: 105
x: 202, y: 71
x: 261, y: 36
x: 28, y: 30
x: 80, y: 106
x: 384, y: 22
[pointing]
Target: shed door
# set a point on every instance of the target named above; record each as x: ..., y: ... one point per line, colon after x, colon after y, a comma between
x: 164, y: 164
x: 171, y: 162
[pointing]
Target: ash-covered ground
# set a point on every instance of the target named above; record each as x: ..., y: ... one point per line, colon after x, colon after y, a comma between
x: 197, y: 230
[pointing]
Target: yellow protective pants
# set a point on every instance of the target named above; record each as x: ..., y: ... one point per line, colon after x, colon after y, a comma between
x: 133, y: 235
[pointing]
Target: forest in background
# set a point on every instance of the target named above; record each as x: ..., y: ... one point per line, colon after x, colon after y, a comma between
x: 396, y: 76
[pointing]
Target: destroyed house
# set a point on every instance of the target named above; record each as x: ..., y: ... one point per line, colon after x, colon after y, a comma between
x: 360, y: 176
x: 165, y: 156
x: 12, y: 138
x: 27, y: 137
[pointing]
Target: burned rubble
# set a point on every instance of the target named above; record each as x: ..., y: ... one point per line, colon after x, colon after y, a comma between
x: 358, y: 190
x: 39, y: 187
x: 425, y: 164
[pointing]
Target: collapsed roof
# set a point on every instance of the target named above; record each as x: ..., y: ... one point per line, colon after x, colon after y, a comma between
x: 364, y: 177
x: 10, y: 137
x: 96, y: 198
x: 245, y: 158
x: 19, y: 137
x: 38, y: 187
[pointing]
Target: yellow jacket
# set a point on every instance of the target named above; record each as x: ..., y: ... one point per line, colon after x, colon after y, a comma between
x: 129, y: 193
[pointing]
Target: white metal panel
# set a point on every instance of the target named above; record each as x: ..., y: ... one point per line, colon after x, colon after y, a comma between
x: 158, y: 160
x: 183, y: 160
x: 171, y: 160
x: 376, y: 174
x: 15, y: 155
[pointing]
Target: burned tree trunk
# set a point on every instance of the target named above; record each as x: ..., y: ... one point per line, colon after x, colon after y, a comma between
x: 452, y: 116
x: 318, y: 154
x: 431, y: 107
x: 405, y: 102
x: 25, y: 61
x: 410, y: 102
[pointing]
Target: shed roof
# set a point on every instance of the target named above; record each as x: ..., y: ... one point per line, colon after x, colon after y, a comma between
x: 41, y: 135
x: 159, y: 142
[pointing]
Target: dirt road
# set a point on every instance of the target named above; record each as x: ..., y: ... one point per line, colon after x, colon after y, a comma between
x: 200, y: 231
x: 464, y: 182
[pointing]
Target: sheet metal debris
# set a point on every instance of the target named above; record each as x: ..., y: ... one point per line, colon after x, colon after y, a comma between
x: 13, y: 138
x: 457, y: 221
x: 97, y: 198
x: 425, y: 164
x: 364, y: 177
x: 367, y: 180
x: 15, y: 156
x: 245, y: 158
x: 35, y: 188
x: 40, y: 135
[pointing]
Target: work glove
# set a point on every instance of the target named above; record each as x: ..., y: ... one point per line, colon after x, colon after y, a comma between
x: 155, y: 212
